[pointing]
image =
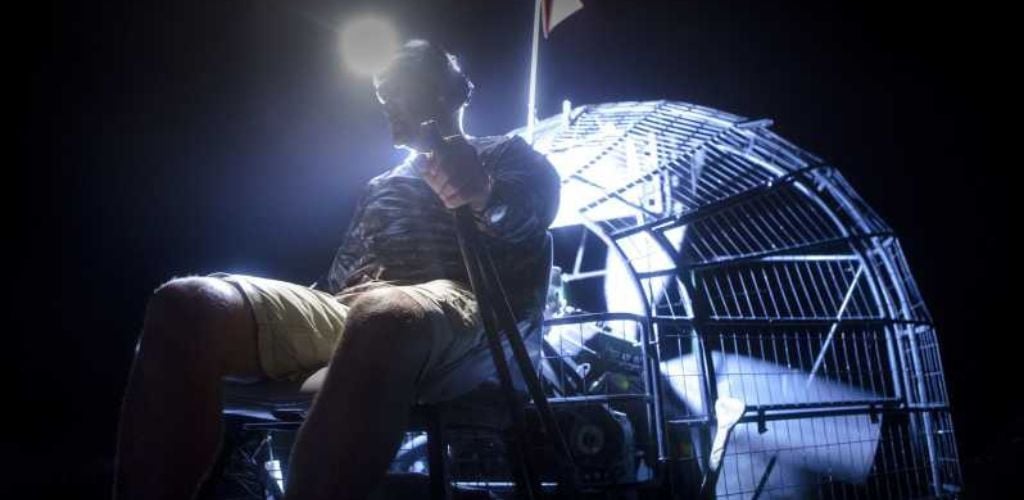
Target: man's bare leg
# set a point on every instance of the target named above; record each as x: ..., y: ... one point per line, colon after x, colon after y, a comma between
x: 196, y: 330
x: 356, y: 423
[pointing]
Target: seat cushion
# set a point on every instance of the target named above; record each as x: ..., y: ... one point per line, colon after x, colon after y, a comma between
x: 273, y: 401
x: 267, y: 400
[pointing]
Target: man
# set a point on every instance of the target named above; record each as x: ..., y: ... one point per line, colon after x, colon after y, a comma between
x: 396, y: 322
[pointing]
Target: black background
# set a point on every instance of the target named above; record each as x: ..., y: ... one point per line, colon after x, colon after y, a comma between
x: 159, y: 139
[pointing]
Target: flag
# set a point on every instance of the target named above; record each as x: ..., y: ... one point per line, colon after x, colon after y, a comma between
x: 546, y: 15
x: 556, y: 11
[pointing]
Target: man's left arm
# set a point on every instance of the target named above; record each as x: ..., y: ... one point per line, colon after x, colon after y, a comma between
x: 524, y: 196
x: 514, y: 197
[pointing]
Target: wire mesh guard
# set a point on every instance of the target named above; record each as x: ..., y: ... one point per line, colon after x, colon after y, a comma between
x: 703, y: 257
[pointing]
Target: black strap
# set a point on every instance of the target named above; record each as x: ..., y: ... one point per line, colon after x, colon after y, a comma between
x: 497, y: 314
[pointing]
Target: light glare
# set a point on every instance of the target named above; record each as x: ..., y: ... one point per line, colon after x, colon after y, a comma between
x: 367, y: 44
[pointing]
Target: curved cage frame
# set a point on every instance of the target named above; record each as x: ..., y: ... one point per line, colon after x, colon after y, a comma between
x: 743, y: 266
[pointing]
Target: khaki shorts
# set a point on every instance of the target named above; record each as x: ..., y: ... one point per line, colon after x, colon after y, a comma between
x: 298, y: 328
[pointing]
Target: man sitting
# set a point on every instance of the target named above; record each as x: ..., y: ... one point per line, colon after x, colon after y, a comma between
x: 394, y: 320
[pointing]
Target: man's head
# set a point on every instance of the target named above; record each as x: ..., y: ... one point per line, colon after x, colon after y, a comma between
x: 421, y: 82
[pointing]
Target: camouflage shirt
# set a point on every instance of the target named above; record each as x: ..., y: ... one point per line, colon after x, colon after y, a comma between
x: 401, y: 231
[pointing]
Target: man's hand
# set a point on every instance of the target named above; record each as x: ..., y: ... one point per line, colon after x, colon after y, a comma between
x: 456, y: 175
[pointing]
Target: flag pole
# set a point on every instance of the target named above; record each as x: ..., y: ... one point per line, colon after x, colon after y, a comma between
x: 531, y: 105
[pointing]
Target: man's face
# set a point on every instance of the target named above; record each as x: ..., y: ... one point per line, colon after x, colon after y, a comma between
x: 407, y: 103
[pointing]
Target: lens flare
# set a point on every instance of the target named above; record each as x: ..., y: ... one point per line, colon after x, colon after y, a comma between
x: 367, y: 44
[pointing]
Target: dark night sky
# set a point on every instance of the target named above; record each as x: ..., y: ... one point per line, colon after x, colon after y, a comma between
x: 158, y: 139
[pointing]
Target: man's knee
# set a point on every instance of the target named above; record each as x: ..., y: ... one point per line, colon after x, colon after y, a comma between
x: 197, y: 300
x: 196, y: 313
x: 388, y: 318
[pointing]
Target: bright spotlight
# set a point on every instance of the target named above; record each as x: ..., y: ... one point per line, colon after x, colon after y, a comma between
x: 367, y: 44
